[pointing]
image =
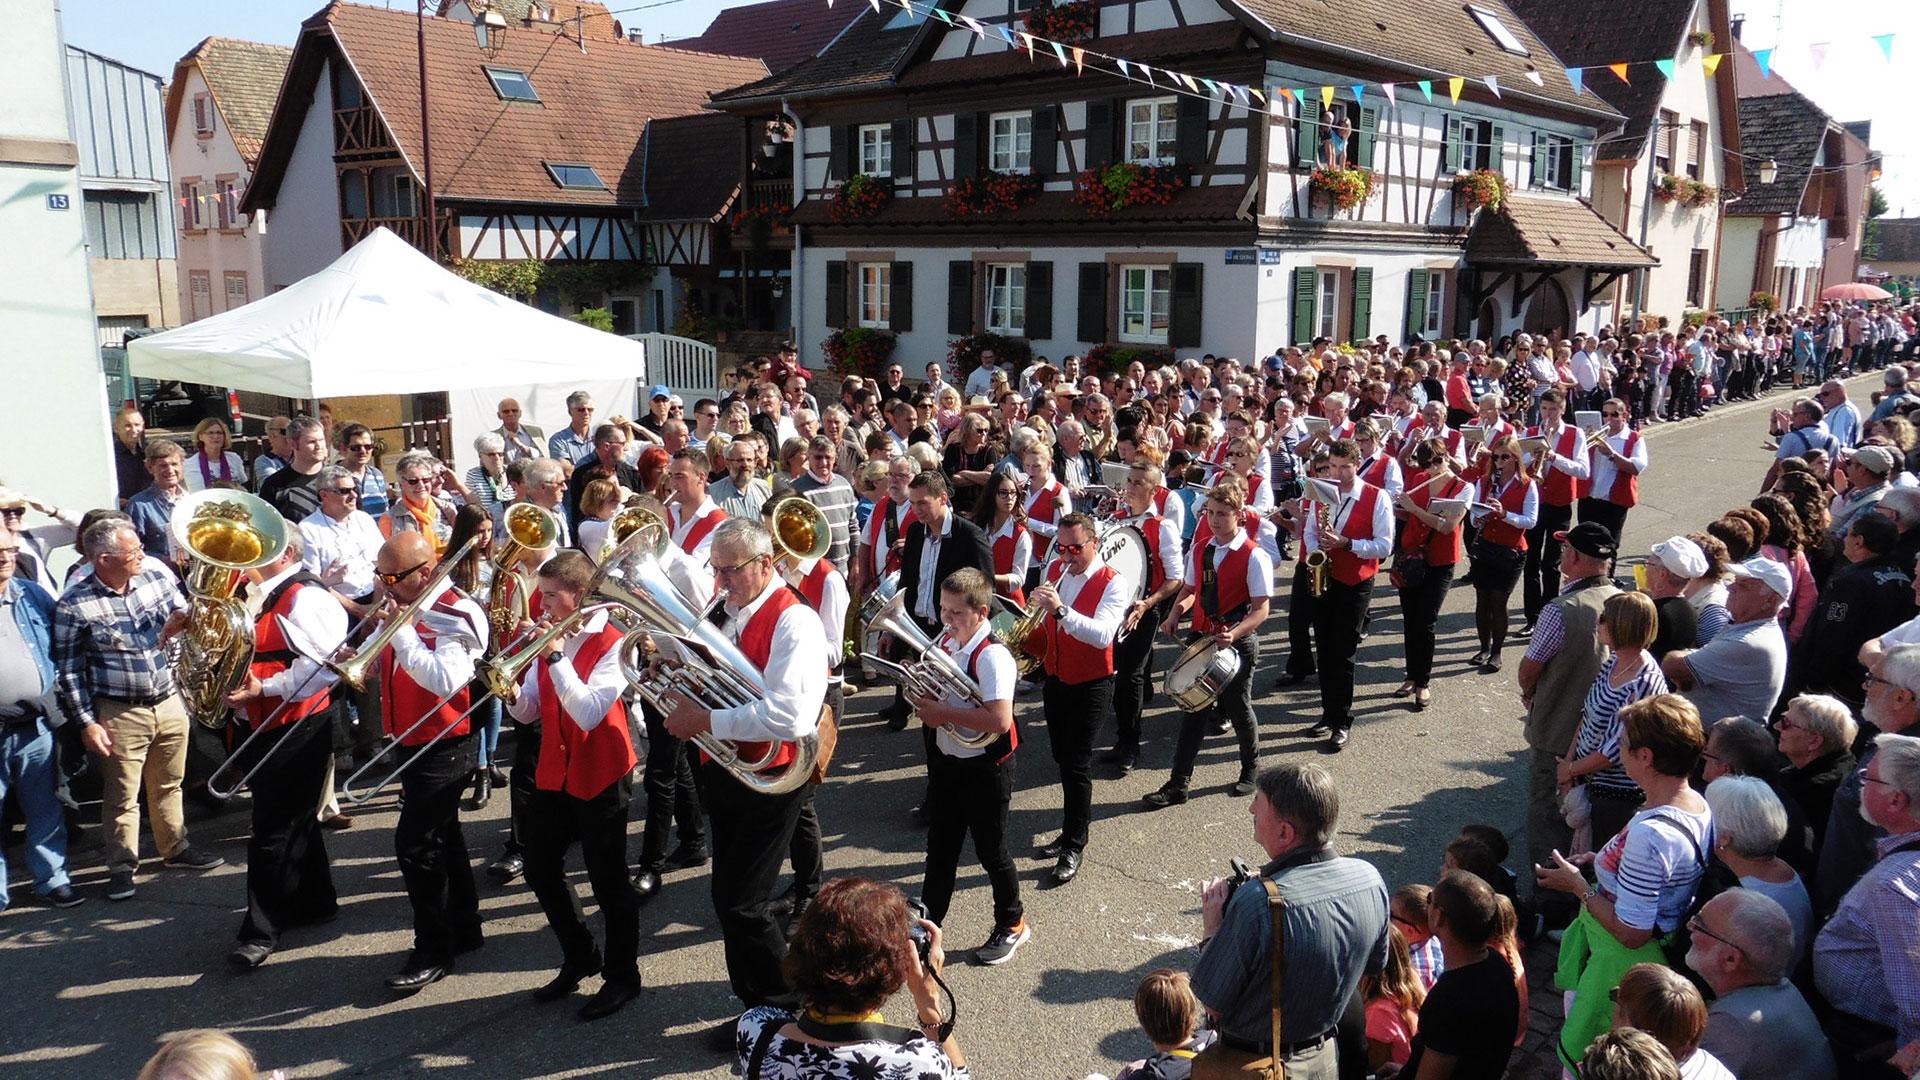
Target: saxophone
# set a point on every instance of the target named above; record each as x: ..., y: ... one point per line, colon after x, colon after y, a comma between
x: 224, y: 533
x: 1318, y: 559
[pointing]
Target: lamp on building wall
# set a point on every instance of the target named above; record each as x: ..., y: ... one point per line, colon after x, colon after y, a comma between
x: 1769, y: 171
x: 489, y: 31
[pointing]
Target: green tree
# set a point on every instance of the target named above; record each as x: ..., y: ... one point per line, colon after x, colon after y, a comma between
x: 1870, y: 239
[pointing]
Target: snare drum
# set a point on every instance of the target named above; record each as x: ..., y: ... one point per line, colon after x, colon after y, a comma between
x: 1195, y: 680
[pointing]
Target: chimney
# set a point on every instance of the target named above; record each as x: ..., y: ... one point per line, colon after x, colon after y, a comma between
x: 1738, y: 22
x: 636, y: 35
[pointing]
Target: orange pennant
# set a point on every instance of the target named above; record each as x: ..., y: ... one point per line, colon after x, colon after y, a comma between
x: 1620, y: 70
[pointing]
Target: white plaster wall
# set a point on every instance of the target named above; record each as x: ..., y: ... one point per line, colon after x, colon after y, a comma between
x: 212, y: 250
x: 303, y: 228
x: 1273, y: 313
x: 1739, y: 250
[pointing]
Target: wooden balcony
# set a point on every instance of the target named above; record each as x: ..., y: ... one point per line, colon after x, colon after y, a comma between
x: 765, y: 193
x: 359, y: 132
x: 411, y: 229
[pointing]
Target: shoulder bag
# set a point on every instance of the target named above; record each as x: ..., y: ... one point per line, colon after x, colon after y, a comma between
x: 1222, y: 1062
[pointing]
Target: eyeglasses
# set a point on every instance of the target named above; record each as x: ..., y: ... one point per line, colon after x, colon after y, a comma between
x: 1871, y: 679
x: 1865, y: 779
x: 416, y: 481
x: 360, y: 448
x: 739, y: 566
x: 345, y: 493
x: 395, y: 579
x: 1699, y: 926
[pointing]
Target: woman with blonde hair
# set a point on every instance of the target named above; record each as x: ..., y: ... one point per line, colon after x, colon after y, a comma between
x: 211, y: 464
x: 1393, y: 999
x: 203, y: 1055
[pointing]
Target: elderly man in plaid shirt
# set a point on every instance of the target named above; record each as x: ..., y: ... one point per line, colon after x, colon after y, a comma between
x: 110, y: 634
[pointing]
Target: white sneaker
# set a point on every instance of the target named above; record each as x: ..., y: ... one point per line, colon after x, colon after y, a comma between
x: 1002, y: 944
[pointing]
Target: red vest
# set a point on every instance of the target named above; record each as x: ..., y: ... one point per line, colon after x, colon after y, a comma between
x: 1348, y: 568
x: 1376, y: 471
x: 405, y: 701
x: 756, y: 641
x: 1558, y: 488
x: 1498, y: 530
x: 1160, y: 500
x: 1443, y: 548
x: 880, y: 521
x: 1230, y: 584
x: 1069, y: 659
x: 1625, y: 489
x: 1344, y: 431
x: 700, y: 528
x: 813, y: 585
x: 1254, y: 480
x: 1003, y: 550
x: 273, y: 654
x: 1149, y: 526
x: 1008, y: 743
x: 582, y: 763
x: 1250, y: 522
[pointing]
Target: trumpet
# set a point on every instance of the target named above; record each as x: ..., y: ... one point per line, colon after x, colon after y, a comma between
x: 933, y: 675
x: 292, y: 699
x: 1595, y: 438
x: 502, y: 673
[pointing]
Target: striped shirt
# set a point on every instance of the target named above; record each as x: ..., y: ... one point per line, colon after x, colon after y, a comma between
x: 1713, y: 618
x: 1600, y: 727
x: 835, y: 498
x: 1651, y: 867
x: 108, y: 644
x: 1867, y: 958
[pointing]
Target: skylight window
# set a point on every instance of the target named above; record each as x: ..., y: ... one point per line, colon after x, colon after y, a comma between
x: 512, y: 84
x: 1497, y: 30
x: 570, y: 174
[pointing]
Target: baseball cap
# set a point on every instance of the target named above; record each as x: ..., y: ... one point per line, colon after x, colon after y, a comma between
x: 1590, y: 538
x: 1877, y: 460
x: 1681, y: 556
x: 1761, y: 568
x: 660, y: 391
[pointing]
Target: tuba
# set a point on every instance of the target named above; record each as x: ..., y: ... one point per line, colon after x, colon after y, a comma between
x: 705, y: 667
x: 528, y: 528
x: 933, y: 675
x: 224, y: 534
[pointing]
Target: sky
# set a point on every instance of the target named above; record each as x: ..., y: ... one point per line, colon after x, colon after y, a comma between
x: 1853, y: 80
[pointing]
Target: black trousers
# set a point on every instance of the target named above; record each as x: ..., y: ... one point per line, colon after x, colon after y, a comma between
x: 969, y: 797
x: 1073, y: 712
x: 1300, y: 605
x: 555, y: 822
x: 1235, y: 703
x: 751, y: 836
x: 520, y: 785
x: 673, y: 803
x: 807, y: 853
x: 1133, y: 671
x: 1419, y: 615
x: 1336, y: 630
x: 1610, y: 514
x: 433, y: 852
x: 1540, y: 577
x: 289, y: 880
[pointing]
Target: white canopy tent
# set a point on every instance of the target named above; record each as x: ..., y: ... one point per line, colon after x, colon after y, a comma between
x: 384, y: 319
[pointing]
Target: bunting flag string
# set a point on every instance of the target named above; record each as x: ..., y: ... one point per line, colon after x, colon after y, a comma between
x: 1885, y: 41
x: 1711, y: 62
x: 1764, y: 57
x: 1667, y: 66
x: 1454, y: 86
x: 1358, y: 90
x: 1493, y: 85
x: 1620, y: 70
x: 1387, y: 89
x: 1818, y: 51
x: 1426, y: 87
x: 1578, y: 77
x: 1326, y: 97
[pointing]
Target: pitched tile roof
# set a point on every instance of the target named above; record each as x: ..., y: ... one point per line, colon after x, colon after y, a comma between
x: 244, y: 78
x: 780, y: 33
x: 864, y: 56
x: 1899, y: 239
x: 692, y: 166
x: 1542, y: 230
x: 1621, y: 31
x: 595, y: 21
x: 594, y: 105
x: 1787, y: 128
x: 1184, y: 41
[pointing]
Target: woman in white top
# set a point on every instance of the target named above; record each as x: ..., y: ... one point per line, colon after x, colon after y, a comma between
x: 212, y: 464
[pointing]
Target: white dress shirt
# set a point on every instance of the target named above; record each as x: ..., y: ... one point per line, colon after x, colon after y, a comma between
x: 457, y: 645
x: 353, y: 541
x: 993, y: 671
x: 1586, y: 370
x: 1169, y: 543
x: 1576, y: 466
x: 924, y: 603
x: 1062, y: 506
x: 319, y: 626
x: 1022, y: 551
x: 1100, y: 628
x: 795, y: 676
x: 1259, y: 565
x: 586, y: 703
x: 878, y: 547
x: 1603, y: 467
x: 683, y: 523
x: 1379, y: 547
x: 832, y: 610
x: 1394, y: 482
x: 1528, y: 514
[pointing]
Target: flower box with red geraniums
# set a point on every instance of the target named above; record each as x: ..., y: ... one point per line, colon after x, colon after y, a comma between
x: 859, y: 350
x: 1481, y: 187
x: 990, y: 193
x: 860, y: 197
x: 1069, y: 23
x: 1670, y: 188
x: 757, y: 223
x: 1763, y: 301
x: 1116, y: 187
x: 1699, y: 195
x: 1345, y: 188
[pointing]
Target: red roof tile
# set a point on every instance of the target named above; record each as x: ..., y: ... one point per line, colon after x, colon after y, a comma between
x: 244, y: 78
x: 781, y: 32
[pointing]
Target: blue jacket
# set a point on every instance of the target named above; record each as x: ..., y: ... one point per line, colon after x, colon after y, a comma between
x: 33, y: 612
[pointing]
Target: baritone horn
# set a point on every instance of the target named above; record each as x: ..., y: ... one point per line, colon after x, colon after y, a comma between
x: 528, y: 527
x: 933, y: 674
x: 224, y: 534
x: 800, y: 530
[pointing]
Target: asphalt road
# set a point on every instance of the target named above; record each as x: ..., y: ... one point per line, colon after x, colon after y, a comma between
x: 101, y: 983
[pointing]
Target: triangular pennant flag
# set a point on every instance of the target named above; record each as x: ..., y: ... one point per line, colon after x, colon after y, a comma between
x: 1326, y: 97
x: 1764, y: 57
x: 1149, y: 74
x: 974, y: 25
x: 1387, y: 89
x: 1818, y: 51
x: 1885, y: 41
x: 1191, y: 85
x: 944, y: 17
x: 1426, y: 87
x: 876, y: 6
x: 1079, y: 60
x: 1212, y: 87
x: 1620, y: 70
x: 1299, y: 95
x: 1493, y: 84
x: 906, y: 6
x: 1578, y: 78
x: 1666, y: 66
x: 1454, y: 86
x: 1060, y: 52
x: 1126, y: 69
x: 1006, y: 35
x: 1257, y: 95
x: 1357, y: 89
x: 1534, y: 78
x: 1711, y: 62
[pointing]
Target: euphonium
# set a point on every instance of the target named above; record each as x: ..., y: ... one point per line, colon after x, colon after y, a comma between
x: 354, y: 669
x: 528, y: 528
x: 800, y: 530
x: 933, y: 675
x: 1318, y: 559
x: 641, y: 512
x: 224, y: 533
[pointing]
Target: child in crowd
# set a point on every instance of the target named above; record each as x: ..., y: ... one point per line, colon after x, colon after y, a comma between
x: 599, y: 501
x: 1190, y: 495
x: 1506, y: 942
x: 1170, y: 1015
x: 1498, y: 875
x: 1393, y: 1000
x: 204, y: 1055
x: 1409, y: 911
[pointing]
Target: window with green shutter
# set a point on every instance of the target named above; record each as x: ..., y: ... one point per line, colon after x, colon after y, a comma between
x: 1416, y: 304
x: 1362, y: 303
x: 1305, y: 280
x: 1364, y: 134
x: 1306, y: 134
x: 1451, y: 152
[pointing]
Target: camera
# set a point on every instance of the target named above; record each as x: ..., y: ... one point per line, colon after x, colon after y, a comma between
x: 919, y: 935
x: 1238, y: 872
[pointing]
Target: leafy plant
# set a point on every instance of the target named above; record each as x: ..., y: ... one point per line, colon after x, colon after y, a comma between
x: 691, y: 322
x: 1701, y: 39
x: 757, y: 222
x: 1670, y: 188
x: 859, y: 350
x: 860, y: 197
x: 597, y: 317
x: 1104, y: 357
x: 990, y: 193
x: 1118, y: 186
x: 1695, y: 317
x: 587, y: 281
x: 1763, y: 300
x: 1481, y: 187
x: 1345, y: 188
x: 1068, y: 23
x: 963, y: 354
x: 1697, y: 194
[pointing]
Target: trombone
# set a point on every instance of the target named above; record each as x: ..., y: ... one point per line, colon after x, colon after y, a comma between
x: 296, y: 695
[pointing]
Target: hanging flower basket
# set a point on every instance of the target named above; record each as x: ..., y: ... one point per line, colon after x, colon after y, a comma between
x: 1345, y: 188
x: 1701, y: 39
x: 1697, y: 194
x: 860, y: 197
x: 757, y: 223
x: 1069, y: 23
x: 1481, y: 187
x: 1763, y: 301
x: 1104, y: 357
x: 990, y: 193
x: 1116, y: 187
x: 859, y: 350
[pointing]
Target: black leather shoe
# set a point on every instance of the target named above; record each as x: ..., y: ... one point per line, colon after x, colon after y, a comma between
x: 1291, y: 679
x: 467, y: 941
x: 1243, y: 786
x: 506, y: 868
x: 1127, y: 764
x: 482, y: 790
x: 609, y: 999
x: 1067, y: 868
x: 1320, y: 728
x: 685, y: 857
x: 417, y: 976
x: 646, y: 882
x: 1053, y: 849
x: 247, y: 955
x: 1165, y: 797
x: 566, y: 981
x: 897, y: 721
x: 1338, y: 740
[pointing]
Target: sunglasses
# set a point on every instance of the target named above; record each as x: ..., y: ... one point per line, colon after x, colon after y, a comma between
x: 360, y: 448
x: 1074, y: 549
x: 1611, y: 414
x: 345, y: 493
x: 395, y: 579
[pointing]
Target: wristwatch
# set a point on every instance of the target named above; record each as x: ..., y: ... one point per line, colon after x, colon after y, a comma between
x: 554, y: 657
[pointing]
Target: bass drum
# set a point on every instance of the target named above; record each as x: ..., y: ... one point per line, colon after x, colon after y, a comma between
x: 1125, y: 549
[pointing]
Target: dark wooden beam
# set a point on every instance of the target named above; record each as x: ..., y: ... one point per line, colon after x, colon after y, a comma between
x: 1479, y: 292
x: 1606, y: 278
x: 1522, y: 290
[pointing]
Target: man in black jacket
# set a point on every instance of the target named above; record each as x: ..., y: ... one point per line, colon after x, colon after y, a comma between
x: 1866, y: 597
x: 609, y: 460
x: 938, y: 542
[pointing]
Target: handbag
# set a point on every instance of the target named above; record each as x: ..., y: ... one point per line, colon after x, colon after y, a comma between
x: 828, y: 732
x: 1222, y: 1062
x: 1409, y: 569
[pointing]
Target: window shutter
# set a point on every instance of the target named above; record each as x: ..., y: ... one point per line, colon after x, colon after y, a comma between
x: 1039, y: 300
x: 1450, y: 153
x: 1496, y: 142
x: 1537, y: 169
x: 1099, y: 153
x: 966, y: 146
x: 900, y: 318
x: 1362, y: 303
x: 836, y: 292
x: 1043, y: 140
x: 1093, y: 302
x: 1572, y: 172
x: 1306, y: 134
x: 1190, y: 132
x: 902, y: 165
x: 1306, y: 281
x: 1183, y: 312
x: 1416, y: 303
x: 1363, y: 138
x: 959, y: 297
x: 840, y: 151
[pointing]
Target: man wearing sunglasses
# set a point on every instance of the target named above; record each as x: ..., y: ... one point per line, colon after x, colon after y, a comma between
x: 1612, y: 486
x: 342, y: 540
